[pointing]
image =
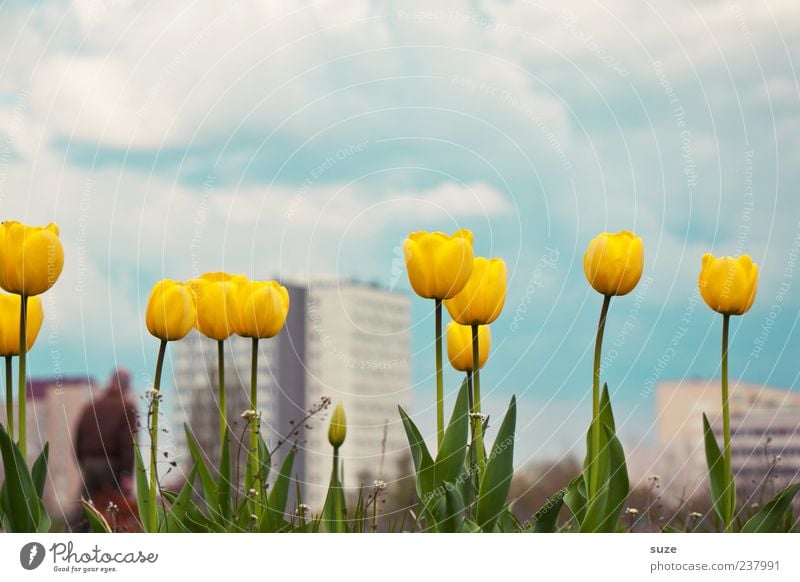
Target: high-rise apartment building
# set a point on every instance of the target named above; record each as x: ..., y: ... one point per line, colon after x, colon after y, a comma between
x: 343, y: 340
x: 765, y: 435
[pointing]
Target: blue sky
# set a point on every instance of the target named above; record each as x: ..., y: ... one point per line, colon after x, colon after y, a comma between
x: 309, y: 138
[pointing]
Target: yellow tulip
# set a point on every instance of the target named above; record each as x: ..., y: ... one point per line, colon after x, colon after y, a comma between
x: 438, y: 265
x: 9, y: 324
x: 215, y: 297
x: 728, y: 285
x: 170, y: 311
x: 481, y: 300
x: 337, y: 431
x: 459, y: 346
x: 262, y: 309
x: 613, y: 263
x: 31, y: 257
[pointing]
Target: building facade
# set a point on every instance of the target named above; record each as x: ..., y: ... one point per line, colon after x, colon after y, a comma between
x: 343, y: 340
x: 765, y: 435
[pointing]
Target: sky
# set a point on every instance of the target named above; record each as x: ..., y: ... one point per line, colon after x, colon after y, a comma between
x: 306, y: 139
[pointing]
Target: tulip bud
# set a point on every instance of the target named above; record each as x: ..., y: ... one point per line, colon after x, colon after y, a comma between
x: 215, y: 296
x: 9, y: 323
x: 613, y: 263
x: 459, y: 346
x: 337, y: 430
x: 438, y: 265
x: 481, y: 300
x: 170, y: 311
x: 728, y: 285
x: 31, y: 257
x: 262, y: 307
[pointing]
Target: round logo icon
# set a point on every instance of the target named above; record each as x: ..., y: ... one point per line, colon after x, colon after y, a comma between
x: 31, y: 555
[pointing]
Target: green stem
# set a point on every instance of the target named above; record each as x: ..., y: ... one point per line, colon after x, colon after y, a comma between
x: 472, y: 458
x: 476, y: 380
x: 21, y: 388
x: 598, y: 350
x: 162, y: 349
x: 254, y: 423
x: 338, y: 510
x: 223, y: 411
x: 9, y: 399
x: 726, y: 428
x: 439, y: 379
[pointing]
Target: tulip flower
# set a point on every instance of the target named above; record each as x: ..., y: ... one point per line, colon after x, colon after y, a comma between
x: 216, y: 296
x: 31, y: 260
x: 170, y: 311
x: 479, y: 303
x: 262, y: 308
x: 337, y: 431
x: 439, y: 267
x: 459, y: 346
x: 333, y: 512
x: 9, y: 339
x: 728, y: 286
x: 169, y: 316
x: 481, y: 300
x: 613, y: 265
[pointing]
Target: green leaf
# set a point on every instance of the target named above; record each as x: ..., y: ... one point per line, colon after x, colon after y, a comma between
x: 508, y: 522
x: 97, y: 522
x: 575, y: 498
x: 23, y: 508
x: 423, y: 463
x: 496, y: 478
x: 179, y: 504
x: 768, y: 518
x: 603, y: 512
x: 224, y: 479
x: 39, y: 471
x: 333, y: 512
x: 721, y: 484
x: 206, y: 480
x: 264, y: 460
x: 280, y: 491
x: 546, y: 519
x: 450, y: 458
x: 143, y: 493
x: 452, y: 510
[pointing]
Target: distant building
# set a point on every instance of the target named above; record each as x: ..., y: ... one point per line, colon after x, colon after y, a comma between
x: 765, y: 435
x: 53, y: 410
x: 344, y: 340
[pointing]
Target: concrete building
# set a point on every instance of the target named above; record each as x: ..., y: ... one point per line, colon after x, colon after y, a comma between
x: 343, y: 340
x: 765, y: 435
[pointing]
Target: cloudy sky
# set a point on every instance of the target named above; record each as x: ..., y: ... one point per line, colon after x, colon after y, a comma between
x: 308, y: 138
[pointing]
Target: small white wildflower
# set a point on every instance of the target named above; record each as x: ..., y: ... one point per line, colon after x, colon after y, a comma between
x: 303, y: 509
x: 478, y: 415
x: 253, y: 516
x: 249, y: 414
x: 754, y: 505
x: 152, y: 394
x: 778, y: 458
x: 695, y: 515
x: 632, y: 511
x: 253, y: 492
x: 380, y: 484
